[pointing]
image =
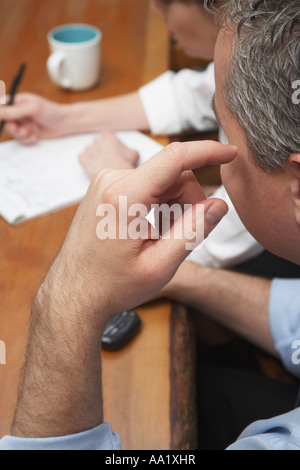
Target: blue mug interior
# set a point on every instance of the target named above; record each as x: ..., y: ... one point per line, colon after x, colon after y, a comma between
x: 74, y: 34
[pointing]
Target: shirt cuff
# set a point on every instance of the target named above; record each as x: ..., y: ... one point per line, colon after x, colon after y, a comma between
x: 279, y: 433
x: 99, y: 438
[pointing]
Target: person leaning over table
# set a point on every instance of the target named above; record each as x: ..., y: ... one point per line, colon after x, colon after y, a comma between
x: 171, y: 104
x: 270, y: 210
x: 189, y: 94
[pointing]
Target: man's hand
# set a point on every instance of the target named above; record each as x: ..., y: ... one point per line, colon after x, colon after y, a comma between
x: 130, y: 271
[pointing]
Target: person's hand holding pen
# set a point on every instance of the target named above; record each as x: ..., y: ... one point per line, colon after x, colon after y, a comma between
x: 31, y: 118
x: 92, y: 278
x: 28, y: 117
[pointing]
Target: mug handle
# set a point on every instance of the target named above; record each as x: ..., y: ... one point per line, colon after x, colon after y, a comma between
x: 54, y: 66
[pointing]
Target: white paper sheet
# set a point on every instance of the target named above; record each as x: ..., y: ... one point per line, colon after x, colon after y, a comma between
x: 47, y: 176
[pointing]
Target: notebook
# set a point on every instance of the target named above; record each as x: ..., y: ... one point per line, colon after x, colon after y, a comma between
x: 47, y: 176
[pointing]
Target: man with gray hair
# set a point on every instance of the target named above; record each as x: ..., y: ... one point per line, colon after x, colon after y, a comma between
x: 255, y: 102
x: 257, y: 60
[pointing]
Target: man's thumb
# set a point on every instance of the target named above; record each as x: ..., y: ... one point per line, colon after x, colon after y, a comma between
x: 215, y: 212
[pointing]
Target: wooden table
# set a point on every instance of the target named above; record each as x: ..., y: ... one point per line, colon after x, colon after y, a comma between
x: 148, y: 391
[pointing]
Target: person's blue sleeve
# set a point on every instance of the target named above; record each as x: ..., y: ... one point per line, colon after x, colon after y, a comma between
x: 285, y: 322
x: 281, y: 432
x: 99, y: 438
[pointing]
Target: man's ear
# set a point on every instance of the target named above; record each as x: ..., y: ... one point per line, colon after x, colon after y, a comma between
x: 294, y: 163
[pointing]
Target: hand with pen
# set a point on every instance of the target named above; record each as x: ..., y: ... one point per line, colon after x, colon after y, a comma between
x: 28, y: 117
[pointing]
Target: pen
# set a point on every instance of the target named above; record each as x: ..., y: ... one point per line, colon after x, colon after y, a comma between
x: 15, y: 84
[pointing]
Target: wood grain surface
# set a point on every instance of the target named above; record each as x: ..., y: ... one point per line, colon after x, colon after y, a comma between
x: 138, y: 381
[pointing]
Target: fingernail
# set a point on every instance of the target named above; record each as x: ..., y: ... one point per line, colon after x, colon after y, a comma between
x: 215, y: 213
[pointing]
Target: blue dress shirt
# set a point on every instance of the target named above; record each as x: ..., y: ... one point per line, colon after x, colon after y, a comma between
x: 278, y: 433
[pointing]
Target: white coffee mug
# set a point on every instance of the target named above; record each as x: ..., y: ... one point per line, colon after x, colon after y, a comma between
x: 75, y: 59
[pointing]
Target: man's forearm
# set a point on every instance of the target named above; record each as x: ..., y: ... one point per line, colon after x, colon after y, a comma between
x: 237, y: 301
x: 60, y: 392
x: 118, y: 113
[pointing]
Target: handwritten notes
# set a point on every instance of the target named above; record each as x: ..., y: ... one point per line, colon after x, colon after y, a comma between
x: 38, y: 179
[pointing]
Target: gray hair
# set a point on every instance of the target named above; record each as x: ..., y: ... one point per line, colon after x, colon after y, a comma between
x: 265, y: 63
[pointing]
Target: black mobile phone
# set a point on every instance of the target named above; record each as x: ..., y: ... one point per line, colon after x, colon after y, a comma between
x: 121, y: 328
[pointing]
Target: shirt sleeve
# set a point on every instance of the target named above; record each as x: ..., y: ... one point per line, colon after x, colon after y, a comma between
x: 177, y: 102
x: 284, y: 314
x: 279, y: 433
x: 99, y: 438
